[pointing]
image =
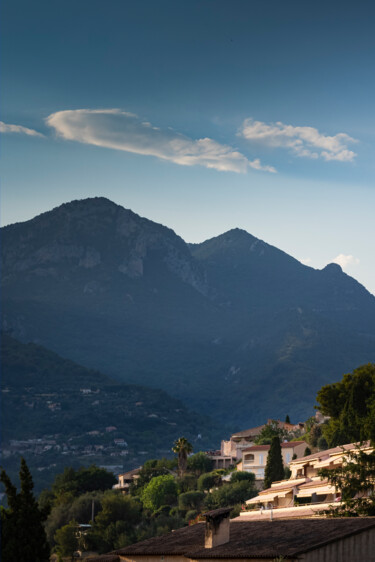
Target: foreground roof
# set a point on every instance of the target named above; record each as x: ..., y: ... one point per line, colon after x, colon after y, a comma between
x: 253, y: 539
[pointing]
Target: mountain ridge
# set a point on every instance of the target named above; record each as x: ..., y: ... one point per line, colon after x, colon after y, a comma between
x: 212, y: 323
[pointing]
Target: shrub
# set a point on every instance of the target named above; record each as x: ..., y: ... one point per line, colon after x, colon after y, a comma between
x: 161, y: 490
x: 240, y: 475
x: 209, y: 480
x: 190, y: 500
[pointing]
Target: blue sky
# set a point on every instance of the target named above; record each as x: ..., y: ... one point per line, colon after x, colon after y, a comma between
x: 203, y: 115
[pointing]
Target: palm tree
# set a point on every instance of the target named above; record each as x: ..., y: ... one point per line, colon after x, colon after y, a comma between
x: 182, y: 448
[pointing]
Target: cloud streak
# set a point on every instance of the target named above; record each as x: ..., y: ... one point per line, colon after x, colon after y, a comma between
x: 120, y: 130
x: 346, y: 260
x: 305, y: 142
x: 7, y: 128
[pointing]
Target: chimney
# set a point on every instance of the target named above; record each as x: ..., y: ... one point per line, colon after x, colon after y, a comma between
x: 217, y: 527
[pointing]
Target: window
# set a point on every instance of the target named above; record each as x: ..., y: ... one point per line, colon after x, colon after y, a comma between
x: 249, y: 458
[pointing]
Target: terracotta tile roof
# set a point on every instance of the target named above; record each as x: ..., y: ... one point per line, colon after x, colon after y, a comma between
x: 288, y: 445
x: 131, y: 473
x: 257, y: 539
x: 247, y: 432
x: 177, y: 542
x: 293, y: 444
x: 341, y: 448
x: 104, y: 558
x: 256, y: 448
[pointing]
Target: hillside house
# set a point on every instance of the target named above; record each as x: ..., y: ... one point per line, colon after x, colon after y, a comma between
x: 219, y: 539
x: 305, y: 494
x: 231, y: 451
x: 254, y: 459
x: 126, y: 479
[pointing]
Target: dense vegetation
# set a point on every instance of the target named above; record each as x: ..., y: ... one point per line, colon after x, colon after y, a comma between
x: 350, y: 404
x: 159, y: 500
x: 22, y: 534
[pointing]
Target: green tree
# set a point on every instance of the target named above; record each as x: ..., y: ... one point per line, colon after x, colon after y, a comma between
x: 314, y: 434
x: 351, y: 407
x: 72, y: 483
x: 182, y: 448
x: 66, y: 539
x: 190, y: 500
x: 307, y: 452
x: 161, y: 490
x: 287, y: 419
x: 355, y: 481
x: 79, y: 509
x: 209, y: 480
x: 115, y: 524
x: 150, y: 469
x: 230, y: 494
x: 187, y: 483
x: 22, y: 532
x: 199, y: 463
x: 270, y: 431
x: 274, y: 467
x: 240, y: 475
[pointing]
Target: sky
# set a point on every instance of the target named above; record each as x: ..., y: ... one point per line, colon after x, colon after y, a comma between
x: 203, y: 115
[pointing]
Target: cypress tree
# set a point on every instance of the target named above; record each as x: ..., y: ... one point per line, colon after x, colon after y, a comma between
x: 23, y: 535
x: 274, y: 467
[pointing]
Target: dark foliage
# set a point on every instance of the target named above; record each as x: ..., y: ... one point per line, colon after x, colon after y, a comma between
x: 274, y: 467
x: 351, y: 405
x: 22, y: 534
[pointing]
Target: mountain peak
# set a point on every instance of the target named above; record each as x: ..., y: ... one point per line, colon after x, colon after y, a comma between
x: 333, y: 268
x: 237, y: 234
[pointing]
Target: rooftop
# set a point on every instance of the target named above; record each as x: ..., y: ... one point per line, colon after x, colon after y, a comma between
x: 288, y: 445
x: 334, y: 451
x: 252, y: 539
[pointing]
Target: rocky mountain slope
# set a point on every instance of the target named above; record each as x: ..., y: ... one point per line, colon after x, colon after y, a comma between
x: 233, y: 326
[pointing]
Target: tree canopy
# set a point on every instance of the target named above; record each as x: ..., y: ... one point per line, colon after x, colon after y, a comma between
x: 274, y: 467
x: 350, y: 404
x: 269, y: 431
x: 161, y: 490
x: 22, y: 534
x: 182, y: 448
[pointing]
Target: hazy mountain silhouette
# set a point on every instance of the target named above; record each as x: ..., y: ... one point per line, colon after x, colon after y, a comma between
x: 232, y: 326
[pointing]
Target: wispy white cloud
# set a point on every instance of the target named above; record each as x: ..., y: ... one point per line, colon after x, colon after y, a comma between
x: 7, y: 128
x: 345, y: 260
x: 303, y: 141
x: 306, y: 261
x: 116, y: 129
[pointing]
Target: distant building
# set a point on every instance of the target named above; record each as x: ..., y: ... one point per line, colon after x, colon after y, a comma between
x: 254, y: 459
x: 231, y: 451
x: 126, y: 479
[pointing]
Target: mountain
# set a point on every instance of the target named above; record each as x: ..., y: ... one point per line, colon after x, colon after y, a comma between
x: 234, y: 327
x: 55, y: 411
